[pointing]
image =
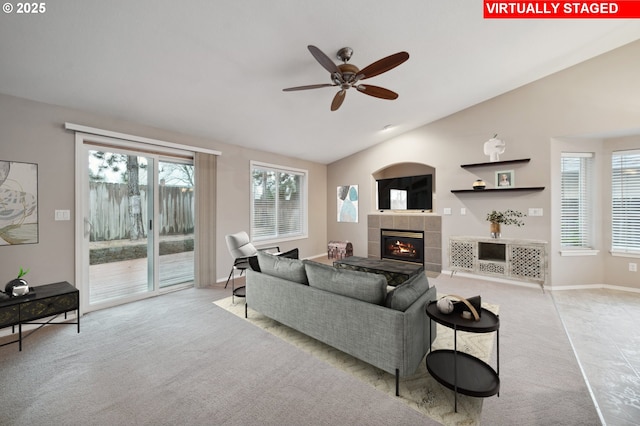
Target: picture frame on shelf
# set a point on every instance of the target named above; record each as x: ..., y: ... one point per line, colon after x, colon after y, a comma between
x: 505, y: 179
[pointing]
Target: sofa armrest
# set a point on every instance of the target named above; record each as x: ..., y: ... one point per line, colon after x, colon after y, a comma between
x: 417, y: 333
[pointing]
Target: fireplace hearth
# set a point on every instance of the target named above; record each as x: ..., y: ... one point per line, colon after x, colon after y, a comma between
x: 407, y: 246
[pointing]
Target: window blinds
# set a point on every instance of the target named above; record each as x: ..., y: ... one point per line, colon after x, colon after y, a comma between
x: 277, y: 203
x: 625, y: 200
x: 577, y: 200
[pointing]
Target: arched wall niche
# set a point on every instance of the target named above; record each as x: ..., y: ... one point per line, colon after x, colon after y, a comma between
x: 403, y: 170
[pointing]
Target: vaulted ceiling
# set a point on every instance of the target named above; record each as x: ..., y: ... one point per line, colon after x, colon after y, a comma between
x: 216, y: 69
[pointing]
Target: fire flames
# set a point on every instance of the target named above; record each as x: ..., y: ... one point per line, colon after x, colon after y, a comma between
x: 400, y: 248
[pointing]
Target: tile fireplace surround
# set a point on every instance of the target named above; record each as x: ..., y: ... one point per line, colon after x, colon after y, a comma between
x: 430, y: 223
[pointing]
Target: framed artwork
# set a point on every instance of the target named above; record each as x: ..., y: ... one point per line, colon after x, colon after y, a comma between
x: 505, y: 179
x: 18, y: 203
x: 348, y: 203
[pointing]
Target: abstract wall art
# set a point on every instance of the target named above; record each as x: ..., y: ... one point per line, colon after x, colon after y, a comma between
x: 18, y: 203
x: 348, y: 203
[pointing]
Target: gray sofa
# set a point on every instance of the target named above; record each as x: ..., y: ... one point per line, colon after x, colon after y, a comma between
x: 349, y: 310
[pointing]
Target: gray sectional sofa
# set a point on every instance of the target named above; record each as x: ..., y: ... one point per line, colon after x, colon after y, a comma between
x: 349, y: 310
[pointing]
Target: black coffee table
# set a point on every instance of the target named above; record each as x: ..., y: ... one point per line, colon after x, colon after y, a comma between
x: 459, y: 371
x: 396, y: 272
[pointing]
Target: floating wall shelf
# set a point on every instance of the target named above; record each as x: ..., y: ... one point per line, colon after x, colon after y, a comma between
x: 496, y: 163
x: 520, y: 189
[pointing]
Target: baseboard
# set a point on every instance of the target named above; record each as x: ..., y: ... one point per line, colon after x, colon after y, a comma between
x: 547, y: 287
x: 316, y: 256
x: 594, y: 287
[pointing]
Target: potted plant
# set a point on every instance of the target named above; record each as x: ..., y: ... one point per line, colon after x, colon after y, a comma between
x: 507, y: 217
x: 18, y: 286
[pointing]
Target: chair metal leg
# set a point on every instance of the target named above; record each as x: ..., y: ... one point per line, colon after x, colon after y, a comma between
x: 230, y: 273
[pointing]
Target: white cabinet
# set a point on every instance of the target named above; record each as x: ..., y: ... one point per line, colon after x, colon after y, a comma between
x: 516, y: 259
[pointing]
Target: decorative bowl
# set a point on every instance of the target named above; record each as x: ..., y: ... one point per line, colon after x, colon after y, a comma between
x: 479, y: 185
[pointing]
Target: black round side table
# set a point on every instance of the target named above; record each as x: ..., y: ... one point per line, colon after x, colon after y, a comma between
x: 459, y: 371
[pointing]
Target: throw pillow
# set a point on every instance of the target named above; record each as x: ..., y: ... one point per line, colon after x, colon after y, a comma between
x: 403, y: 296
x: 282, y: 267
x: 291, y: 254
x: 255, y: 265
x: 365, y: 286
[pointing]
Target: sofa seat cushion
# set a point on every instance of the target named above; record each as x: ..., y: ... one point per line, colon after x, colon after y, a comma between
x: 282, y: 267
x: 365, y: 286
x: 403, y: 296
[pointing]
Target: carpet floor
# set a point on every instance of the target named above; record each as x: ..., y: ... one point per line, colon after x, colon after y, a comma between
x: 419, y: 391
x: 178, y: 359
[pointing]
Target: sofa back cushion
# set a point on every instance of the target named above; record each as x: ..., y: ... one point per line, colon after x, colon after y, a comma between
x: 403, y: 296
x: 282, y: 267
x: 365, y: 286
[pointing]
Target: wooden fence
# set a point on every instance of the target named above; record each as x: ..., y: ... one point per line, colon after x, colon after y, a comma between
x: 110, y: 211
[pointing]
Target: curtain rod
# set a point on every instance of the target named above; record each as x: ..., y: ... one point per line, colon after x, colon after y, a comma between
x: 124, y: 136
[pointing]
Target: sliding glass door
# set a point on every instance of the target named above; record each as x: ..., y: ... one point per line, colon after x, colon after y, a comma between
x: 175, y: 223
x: 138, y: 224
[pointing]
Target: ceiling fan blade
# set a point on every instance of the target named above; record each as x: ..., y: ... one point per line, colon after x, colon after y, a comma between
x: 376, y: 91
x: 383, y: 65
x: 311, y: 86
x: 323, y: 59
x: 338, y: 99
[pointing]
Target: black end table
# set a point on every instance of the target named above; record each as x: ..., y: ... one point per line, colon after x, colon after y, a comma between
x: 44, y: 301
x: 459, y: 371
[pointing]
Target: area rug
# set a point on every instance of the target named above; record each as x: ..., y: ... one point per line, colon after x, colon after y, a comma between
x: 420, y: 391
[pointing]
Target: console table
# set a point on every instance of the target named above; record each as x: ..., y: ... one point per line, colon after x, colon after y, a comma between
x: 459, y: 371
x: 44, y: 301
x: 523, y: 260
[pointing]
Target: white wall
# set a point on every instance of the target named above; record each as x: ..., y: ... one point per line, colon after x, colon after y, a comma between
x: 598, y: 97
x: 34, y: 132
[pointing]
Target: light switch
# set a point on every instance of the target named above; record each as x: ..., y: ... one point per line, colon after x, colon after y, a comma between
x: 446, y: 210
x: 463, y: 211
x: 62, y: 215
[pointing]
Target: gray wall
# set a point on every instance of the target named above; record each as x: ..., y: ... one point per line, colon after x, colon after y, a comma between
x: 595, y: 102
x: 34, y: 132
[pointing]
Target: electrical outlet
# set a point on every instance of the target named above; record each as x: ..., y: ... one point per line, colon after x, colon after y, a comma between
x: 633, y: 267
x: 536, y: 211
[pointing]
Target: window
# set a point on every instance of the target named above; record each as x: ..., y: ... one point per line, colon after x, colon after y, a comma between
x: 625, y: 201
x: 577, y: 201
x: 278, y: 202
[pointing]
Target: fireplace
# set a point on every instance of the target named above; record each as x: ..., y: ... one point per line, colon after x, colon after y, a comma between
x: 407, y: 246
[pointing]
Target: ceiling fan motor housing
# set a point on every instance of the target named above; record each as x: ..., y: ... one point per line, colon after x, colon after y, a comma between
x: 347, y: 75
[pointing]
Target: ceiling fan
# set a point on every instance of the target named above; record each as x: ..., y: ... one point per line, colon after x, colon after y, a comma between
x: 347, y: 75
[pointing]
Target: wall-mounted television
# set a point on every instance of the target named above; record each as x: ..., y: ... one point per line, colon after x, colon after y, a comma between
x: 406, y: 193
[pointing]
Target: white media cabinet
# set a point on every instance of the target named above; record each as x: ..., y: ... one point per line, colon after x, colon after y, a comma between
x: 516, y: 259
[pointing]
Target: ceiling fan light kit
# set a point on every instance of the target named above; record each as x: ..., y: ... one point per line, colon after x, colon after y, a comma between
x: 347, y: 75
